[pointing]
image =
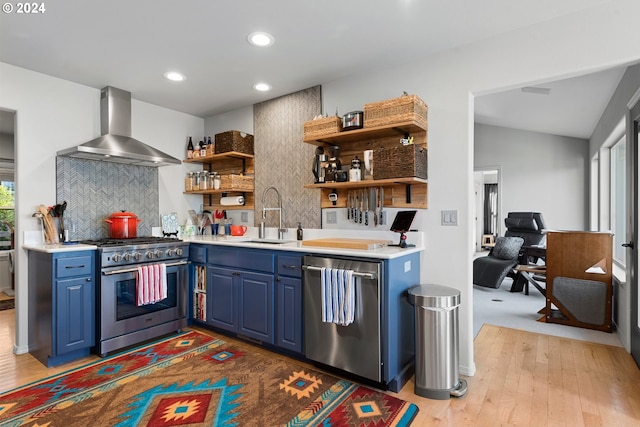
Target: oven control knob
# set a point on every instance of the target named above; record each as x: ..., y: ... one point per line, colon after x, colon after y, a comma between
x: 171, y: 252
x: 179, y: 251
x: 116, y: 258
x: 149, y: 254
x: 126, y: 257
x: 137, y: 256
x: 158, y: 253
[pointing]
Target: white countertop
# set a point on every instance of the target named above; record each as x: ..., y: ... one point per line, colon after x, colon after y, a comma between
x: 386, y: 252
x: 51, y: 248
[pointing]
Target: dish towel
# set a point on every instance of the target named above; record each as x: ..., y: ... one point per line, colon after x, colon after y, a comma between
x: 151, y: 284
x: 338, y: 296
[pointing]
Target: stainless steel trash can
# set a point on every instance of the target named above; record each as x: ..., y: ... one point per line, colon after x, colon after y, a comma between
x: 436, y: 342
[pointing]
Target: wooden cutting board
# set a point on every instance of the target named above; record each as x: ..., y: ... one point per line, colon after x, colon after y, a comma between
x: 336, y: 242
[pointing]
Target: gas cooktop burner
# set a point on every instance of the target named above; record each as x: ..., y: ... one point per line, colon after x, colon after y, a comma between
x: 127, y: 242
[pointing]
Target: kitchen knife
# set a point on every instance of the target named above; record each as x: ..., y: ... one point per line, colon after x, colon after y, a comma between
x: 376, y: 202
x: 382, y: 221
x: 348, y: 204
x: 366, y: 207
x: 356, y: 211
x: 361, y: 206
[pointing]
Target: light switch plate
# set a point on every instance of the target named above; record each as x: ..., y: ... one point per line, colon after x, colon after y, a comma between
x: 332, y: 218
x: 244, y: 216
x: 449, y: 217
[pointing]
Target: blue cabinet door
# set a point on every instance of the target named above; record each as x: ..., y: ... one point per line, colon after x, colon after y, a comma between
x: 74, y: 314
x: 289, y: 309
x: 222, y: 298
x: 256, y: 302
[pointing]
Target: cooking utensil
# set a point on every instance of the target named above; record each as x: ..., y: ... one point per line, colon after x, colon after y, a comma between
x: 123, y: 225
x: 382, y: 218
x: 49, y: 227
x: 366, y: 207
x: 348, y: 204
x: 374, y: 205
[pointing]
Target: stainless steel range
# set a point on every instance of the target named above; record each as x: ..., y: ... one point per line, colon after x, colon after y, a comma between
x: 120, y: 321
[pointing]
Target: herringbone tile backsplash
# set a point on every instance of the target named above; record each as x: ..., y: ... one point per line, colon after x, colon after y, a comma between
x: 94, y: 190
x: 282, y: 160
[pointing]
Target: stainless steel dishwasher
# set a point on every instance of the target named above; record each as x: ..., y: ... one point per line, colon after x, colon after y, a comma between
x: 354, y: 348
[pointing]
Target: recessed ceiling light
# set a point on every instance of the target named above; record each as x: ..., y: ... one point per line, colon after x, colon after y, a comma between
x: 260, y: 39
x: 174, y: 76
x: 262, y: 87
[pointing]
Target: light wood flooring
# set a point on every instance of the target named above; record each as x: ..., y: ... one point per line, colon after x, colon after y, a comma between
x: 522, y: 379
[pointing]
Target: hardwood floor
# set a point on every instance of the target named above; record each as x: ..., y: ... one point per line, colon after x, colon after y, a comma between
x: 522, y: 379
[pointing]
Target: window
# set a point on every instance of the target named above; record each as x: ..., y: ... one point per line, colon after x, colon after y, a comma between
x: 619, y: 200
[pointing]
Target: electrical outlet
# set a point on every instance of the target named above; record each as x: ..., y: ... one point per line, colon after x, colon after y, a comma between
x: 244, y: 216
x: 332, y: 218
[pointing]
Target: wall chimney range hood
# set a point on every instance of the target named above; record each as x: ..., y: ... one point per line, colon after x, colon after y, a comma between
x: 115, y: 144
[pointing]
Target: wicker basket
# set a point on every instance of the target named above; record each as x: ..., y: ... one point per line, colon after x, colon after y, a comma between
x: 236, y: 182
x: 402, y: 161
x: 234, y: 140
x: 406, y: 108
x: 315, y: 129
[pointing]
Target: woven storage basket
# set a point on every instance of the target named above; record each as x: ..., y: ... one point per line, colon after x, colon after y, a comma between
x: 406, y: 108
x: 318, y: 128
x: 236, y: 182
x: 234, y: 140
x: 402, y: 161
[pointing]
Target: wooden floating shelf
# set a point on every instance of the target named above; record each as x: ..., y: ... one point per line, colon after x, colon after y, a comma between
x: 369, y: 183
x: 221, y: 156
x: 217, y: 191
x: 375, y: 132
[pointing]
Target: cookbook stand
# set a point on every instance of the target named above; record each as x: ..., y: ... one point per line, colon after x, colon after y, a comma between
x: 401, y: 224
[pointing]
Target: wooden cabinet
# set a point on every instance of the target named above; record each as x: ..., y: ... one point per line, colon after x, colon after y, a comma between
x: 231, y: 163
x: 289, y: 302
x: 61, y: 305
x: 407, y: 192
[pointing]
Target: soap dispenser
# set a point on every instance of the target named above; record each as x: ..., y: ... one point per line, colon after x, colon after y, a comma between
x: 299, y: 231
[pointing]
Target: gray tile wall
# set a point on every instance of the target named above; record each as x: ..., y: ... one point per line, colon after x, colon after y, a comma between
x: 94, y: 190
x: 282, y: 160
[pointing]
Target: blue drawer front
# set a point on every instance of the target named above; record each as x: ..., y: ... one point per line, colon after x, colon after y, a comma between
x: 198, y: 253
x: 246, y: 259
x: 74, y: 266
x: 290, y: 265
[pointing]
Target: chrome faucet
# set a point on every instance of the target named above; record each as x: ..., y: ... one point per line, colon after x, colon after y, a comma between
x: 281, y: 230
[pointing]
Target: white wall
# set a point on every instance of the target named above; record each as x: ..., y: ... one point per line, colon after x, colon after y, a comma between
x: 607, y: 130
x: 53, y: 114
x: 540, y: 173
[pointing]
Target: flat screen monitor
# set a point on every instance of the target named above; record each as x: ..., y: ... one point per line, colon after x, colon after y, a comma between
x: 402, y: 222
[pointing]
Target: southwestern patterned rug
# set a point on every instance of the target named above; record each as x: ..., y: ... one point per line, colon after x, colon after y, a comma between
x: 196, y: 380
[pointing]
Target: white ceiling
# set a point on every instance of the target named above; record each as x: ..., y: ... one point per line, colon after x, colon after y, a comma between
x: 130, y: 44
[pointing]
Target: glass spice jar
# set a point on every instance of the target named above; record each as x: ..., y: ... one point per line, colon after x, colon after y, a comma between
x: 188, y: 182
x: 204, y: 180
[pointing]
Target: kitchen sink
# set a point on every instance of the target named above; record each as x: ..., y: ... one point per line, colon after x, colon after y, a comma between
x: 270, y: 241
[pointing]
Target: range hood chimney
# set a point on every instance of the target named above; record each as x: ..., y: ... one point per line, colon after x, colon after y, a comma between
x: 115, y: 144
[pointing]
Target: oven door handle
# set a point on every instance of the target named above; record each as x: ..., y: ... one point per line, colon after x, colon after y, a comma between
x: 131, y: 270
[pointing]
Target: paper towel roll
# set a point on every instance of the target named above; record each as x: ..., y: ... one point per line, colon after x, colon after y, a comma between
x: 232, y: 201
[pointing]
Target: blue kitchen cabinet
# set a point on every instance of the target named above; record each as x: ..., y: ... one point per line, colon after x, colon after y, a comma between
x: 240, y: 292
x: 289, y: 302
x: 61, y: 305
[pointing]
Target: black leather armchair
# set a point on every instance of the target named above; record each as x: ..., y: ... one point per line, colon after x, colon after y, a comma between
x: 489, y: 271
x: 528, y: 225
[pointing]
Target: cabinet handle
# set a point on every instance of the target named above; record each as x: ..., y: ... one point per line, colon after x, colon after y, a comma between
x: 74, y: 266
x: 88, y: 279
x: 289, y: 267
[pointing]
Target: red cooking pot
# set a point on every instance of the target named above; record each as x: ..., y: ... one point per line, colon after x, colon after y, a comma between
x: 123, y: 225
